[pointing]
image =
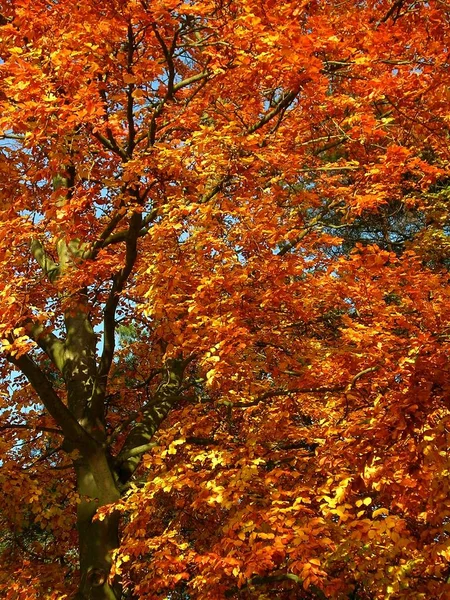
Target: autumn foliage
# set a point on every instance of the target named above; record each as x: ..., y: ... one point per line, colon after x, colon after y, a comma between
x: 224, y: 299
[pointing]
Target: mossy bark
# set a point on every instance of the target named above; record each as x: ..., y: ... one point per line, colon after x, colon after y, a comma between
x: 97, y: 538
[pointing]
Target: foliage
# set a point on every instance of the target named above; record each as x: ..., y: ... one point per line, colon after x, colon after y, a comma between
x: 224, y: 299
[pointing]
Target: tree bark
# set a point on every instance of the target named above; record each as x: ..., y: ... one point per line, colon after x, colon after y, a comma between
x: 97, y: 538
x: 151, y: 417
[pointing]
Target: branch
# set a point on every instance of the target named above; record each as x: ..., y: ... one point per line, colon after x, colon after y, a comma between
x: 50, y: 268
x: 109, y: 314
x: 138, y: 451
x: 202, y: 441
x: 70, y: 427
x: 48, y: 342
x: 290, y: 245
x: 130, y: 100
x: 329, y: 168
x: 153, y: 413
x: 397, y: 6
x: 107, y: 237
x: 122, y: 235
x: 48, y: 454
x: 151, y: 134
x: 306, y: 390
x: 282, y: 104
x: 30, y: 427
x: 100, y: 241
x: 331, y: 145
x: 296, y: 445
x: 110, y: 143
x: 189, y: 80
x: 170, y: 65
x: 361, y: 374
x: 34, y: 555
x: 168, y: 55
x: 215, y: 189
x: 11, y: 136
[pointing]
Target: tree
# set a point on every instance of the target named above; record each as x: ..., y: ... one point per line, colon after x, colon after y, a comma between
x: 224, y: 299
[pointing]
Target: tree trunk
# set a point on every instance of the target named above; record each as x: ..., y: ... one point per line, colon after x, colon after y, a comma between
x: 97, y: 539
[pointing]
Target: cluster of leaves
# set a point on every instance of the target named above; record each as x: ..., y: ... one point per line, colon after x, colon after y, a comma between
x: 340, y: 491
x: 261, y: 190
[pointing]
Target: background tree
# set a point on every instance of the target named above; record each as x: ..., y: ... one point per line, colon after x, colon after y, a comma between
x: 251, y: 197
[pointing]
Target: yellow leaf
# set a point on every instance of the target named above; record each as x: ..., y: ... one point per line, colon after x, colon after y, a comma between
x: 379, y: 512
x: 366, y: 502
x: 210, y: 375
